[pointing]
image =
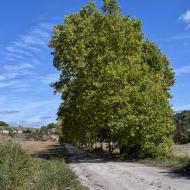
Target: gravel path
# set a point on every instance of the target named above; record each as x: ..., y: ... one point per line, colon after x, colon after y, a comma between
x: 99, y: 174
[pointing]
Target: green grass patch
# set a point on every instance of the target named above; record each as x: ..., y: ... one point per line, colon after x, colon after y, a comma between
x: 52, y: 175
x: 18, y: 171
x: 15, y: 166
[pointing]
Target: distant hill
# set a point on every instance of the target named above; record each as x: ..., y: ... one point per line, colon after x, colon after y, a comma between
x: 182, y: 122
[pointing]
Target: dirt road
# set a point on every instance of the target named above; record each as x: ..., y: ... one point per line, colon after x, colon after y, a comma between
x: 99, y: 174
x: 104, y: 174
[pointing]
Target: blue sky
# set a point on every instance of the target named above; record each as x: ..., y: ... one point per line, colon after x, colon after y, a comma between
x: 26, y: 64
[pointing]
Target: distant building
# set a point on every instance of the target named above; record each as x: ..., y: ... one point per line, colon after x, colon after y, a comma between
x: 4, y: 131
x: 19, y: 132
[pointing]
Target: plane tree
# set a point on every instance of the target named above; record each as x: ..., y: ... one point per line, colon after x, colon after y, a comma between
x: 114, y: 83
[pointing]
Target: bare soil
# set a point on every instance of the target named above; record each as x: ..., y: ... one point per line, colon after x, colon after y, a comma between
x: 37, y: 147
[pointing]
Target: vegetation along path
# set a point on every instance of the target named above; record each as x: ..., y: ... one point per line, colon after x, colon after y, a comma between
x: 103, y: 174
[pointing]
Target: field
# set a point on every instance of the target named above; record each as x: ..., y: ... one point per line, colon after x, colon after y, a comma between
x: 38, y: 147
x: 182, y: 150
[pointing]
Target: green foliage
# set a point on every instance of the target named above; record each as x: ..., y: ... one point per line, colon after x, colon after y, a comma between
x: 51, y: 126
x: 111, y: 7
x: 12, y: 133
x: 182, y: 132
x: 42, y: 134
x: 4, y: 124
x: 43, y: 130
x: 114, y: 83
x: 20, y: 172
x: 27, y: 131
x: 52, y: 174
x: 14, y: 166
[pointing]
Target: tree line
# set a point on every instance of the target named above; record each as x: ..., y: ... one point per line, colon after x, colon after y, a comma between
x: 114, y: 83
x: 182, y: 123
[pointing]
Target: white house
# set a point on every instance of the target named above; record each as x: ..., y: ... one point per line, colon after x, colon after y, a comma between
x: 4, y: 131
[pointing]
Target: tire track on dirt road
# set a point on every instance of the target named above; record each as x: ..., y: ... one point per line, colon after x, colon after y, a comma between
x: 100, y: 174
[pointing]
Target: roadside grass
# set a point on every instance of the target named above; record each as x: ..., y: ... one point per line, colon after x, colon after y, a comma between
x: 167, y: 161
x: 19, y: 171
x: 178, y: 165
x: 178, y: 162
x: 15, y: 166
x: 52, y: 175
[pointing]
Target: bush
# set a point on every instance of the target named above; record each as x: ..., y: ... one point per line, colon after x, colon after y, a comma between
x: 14, y: 166
x: 27, y: 131
x: 182, y: 123
x: 20, y: 172
x: 53, y: 174
x: 12, y: 133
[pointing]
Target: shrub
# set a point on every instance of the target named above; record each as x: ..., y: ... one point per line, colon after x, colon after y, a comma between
x: 52, y: 174
x: 11, y: 133
x: 14, y: 166
x: 27, y: 131
x: 20, y: 172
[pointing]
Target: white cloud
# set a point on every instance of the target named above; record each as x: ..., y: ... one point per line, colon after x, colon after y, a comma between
x: 8, y: 84
x: 15, y: 85
x: 26, y: 46
x: 28, y: 108
x: 179, y: 37
x: 11, y: 71
x: 183, y: 70
x: 16, y: 68
x: 20, y: 56
x: 7, y: 112
x: 48, y: 79
x: 39, y: 107
x: 14, y: 50
x: 185, y: 17
x: 35, y: 40
x: 22, y: 78
x: 179, y: 108
x: 2, y: 77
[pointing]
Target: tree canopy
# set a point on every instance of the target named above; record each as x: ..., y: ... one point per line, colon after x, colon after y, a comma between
x: 182, y: 122
x: 4, y: 124
x: 114, y: 83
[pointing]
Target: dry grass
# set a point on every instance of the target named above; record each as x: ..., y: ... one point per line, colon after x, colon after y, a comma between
x: 33, y: 147
x: 4, y: 138
x: 181, y: 150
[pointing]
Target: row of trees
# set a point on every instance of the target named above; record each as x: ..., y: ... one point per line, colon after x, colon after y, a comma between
x: 114, y: 83
x: 43, y: 133
x: 182, y: 122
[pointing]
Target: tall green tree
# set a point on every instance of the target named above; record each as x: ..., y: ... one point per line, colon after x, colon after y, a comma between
x: 114, y: 83
x: 182, y: 123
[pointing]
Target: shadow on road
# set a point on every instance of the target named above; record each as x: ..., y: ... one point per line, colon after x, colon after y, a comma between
x: 75, y: 155
x: 55, y: 151
x: 184, y: 171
